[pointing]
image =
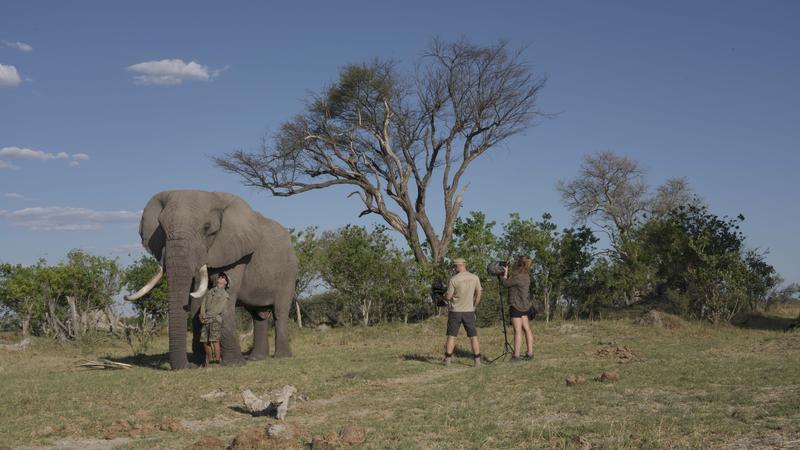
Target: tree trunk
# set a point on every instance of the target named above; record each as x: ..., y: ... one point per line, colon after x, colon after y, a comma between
x: 74, y: 322
x: 26, y: 326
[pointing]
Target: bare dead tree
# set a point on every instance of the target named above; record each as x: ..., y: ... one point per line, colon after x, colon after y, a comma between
x: 390, y: 135
x: 609, y: 192
x: 674, y: 193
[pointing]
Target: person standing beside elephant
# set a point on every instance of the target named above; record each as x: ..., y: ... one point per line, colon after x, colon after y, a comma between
x: 519, y: 305
x: 211, y: 310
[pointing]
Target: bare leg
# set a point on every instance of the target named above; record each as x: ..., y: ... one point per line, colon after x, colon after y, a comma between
x: 517, y: 323
x: 476, y: 347
x: 450, y: 345
x: 528, y: 335
x: 216, y: 351
x: 209, y: 353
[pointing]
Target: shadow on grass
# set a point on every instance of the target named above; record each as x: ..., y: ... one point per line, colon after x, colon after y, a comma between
x: 157, y: 362
x: 421, y: 358
x: 767, y: 322
x: 271, y: 411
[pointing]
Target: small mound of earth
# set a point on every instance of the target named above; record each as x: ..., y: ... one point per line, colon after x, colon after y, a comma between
x: 659, y: 319
x: 619, y: 352
x: 609, y: 377
x: 208, y: 443
x: 275, y: 437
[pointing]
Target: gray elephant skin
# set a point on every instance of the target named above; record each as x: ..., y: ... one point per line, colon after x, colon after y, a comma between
x: 195, y: 234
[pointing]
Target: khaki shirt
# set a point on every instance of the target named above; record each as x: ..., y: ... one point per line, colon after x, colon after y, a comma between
x: 214, y: 303
x: 465, y: 287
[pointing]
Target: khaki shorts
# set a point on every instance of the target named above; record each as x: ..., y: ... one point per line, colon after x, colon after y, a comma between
x: 212, y: 331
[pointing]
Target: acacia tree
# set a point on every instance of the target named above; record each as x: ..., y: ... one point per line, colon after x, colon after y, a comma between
x: 610, y: 193
x: 390, y: 135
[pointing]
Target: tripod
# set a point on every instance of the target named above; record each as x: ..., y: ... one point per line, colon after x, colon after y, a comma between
x: 507, y: 348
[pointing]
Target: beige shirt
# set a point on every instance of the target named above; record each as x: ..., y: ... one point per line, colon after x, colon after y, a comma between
x: 465, y: 287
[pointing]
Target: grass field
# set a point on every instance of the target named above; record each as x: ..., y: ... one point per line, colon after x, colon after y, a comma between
x: 691, y: 386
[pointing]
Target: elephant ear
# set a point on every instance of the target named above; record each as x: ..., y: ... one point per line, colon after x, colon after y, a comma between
x: 238, y: 234
x: 153, y: 237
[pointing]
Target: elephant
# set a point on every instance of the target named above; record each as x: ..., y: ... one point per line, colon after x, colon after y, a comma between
x: 196, y: 233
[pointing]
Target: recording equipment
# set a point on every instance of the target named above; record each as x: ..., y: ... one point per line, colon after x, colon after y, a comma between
x: 496, y: 268
x: 438, y: 289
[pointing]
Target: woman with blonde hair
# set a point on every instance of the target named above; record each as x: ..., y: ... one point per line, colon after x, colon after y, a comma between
x: 519, y: 305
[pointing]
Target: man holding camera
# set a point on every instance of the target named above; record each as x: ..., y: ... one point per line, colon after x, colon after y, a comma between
x: 463, y: 295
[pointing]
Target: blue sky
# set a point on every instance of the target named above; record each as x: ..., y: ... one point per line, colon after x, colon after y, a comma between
x: 704, y: 90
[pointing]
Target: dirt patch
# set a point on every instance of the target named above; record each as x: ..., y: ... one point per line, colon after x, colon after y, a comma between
x: 208, y: 443
x: 87, y: 444
x: 620, y: 353
x: 140, y: 424
x: 276, y: 436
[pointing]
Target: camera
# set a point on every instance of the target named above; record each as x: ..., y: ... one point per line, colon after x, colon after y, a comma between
x: 496, y: 267
x: 438, y: 289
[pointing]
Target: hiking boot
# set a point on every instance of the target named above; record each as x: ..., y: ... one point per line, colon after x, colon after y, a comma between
x: 516, y: 359
x: 477, y: 360
x: 446, y: 361
x: 528, y: 357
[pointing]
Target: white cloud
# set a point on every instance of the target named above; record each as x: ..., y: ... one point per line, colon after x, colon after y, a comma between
x: 60, y: 218
x: 9, y: 77
x: 21, y: 46
x: 167, y: 72
x: 13, y: 195
x: 26, y: 153
x: 38, y: 155
x: 7, y: 165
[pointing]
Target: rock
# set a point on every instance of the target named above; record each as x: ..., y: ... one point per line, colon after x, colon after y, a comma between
x: 609, y: 376
x: 282, y: 400
x: 353, y: 435
x: 574, y: 380
x: 207, y: 443
x: 253, y: 404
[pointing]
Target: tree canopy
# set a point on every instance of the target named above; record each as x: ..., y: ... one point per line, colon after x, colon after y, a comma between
x: 390, y: 135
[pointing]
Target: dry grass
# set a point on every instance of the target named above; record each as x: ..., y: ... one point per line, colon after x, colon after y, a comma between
x: 692, y: 386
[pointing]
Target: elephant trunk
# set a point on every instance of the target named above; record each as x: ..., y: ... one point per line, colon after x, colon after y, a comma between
x: 180, y: 271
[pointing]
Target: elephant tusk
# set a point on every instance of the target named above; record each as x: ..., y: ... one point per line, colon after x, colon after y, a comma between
x: 201, y: 291
x: 147, y: 287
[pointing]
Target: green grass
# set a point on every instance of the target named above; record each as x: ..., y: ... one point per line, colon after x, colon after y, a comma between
x: 694, y: 386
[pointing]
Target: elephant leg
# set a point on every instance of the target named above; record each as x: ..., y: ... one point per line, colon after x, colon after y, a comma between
x: 229, y: 341
x: 198, y: 352
x: 281, y: 309
x: 260, y: 335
